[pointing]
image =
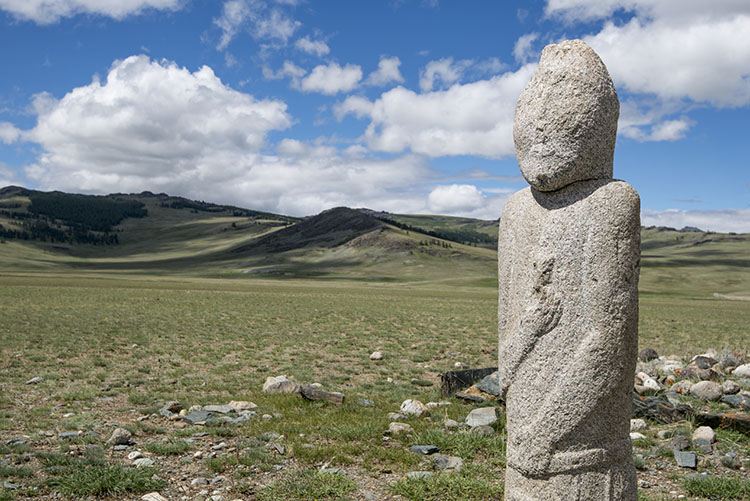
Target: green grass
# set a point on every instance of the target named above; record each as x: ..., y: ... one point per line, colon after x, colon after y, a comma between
x: 105, y: 480
x: 309, y: 484
x: 168, y: 448
x: 718, y: 488
x: 461, y: 486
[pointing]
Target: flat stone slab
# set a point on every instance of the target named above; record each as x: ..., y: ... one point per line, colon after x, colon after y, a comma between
x: 221, y: 409
x: 197, y: 417
x: 484, y: 416
x: 424, y: 449
x: 686, y: 459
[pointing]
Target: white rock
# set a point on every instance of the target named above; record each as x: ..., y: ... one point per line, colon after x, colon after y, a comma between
x: 376, y: 355
x: 743, y: 371
x: 637, y: 425
x: 143, y: 462
x: 135, y: 455
x: 450, y: 424
x: 153, y: 496
x: 280, y: 384
x: 730, y: 387
x: 396, y: 428
x: 648, y: 382
x: 35, y: 380
x: 413, y: 408
x: 120, y: 436
x: 635, y: 435
x: 484, y: 416
x: 704, y: 433
x: 706, y: 390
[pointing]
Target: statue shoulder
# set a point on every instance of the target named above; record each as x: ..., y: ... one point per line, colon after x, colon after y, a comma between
x: 620, y: 196
x: 517, y: 204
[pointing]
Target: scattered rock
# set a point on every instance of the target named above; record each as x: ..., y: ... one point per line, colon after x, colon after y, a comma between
x: 693, y: 372
x: 170, y: 409
x: 220, y: 409
x: 197, y: 417
x: 396, y: 428
x: 11, y: 486
x: 450, y: 424
x: 645, y: 384
x: 686, y: 459
x: 153, y: 496
x: 35, y: 380
x: 739, y: 401
x: 730, y: 387
x: 242, y: 405
x: 199, y: 481
x: 706, y: 390
x: 395, y: 416
x: 424, y: 449
x: 679, y: 443
x: 703, y: 362
x: 413, y: 407
x: 135, y: 455
x: 743, y: 371
x: 143, y: 463
x: 69, y: 434
x: 443, y: 462
x: 647, y: 354
x: 638, y: 425
x: 483, y: 416
x: 376, y: 355
x: 634, y: 435
x: 682, y: 387
x: 280, y: 384
x: 704, y: 435
x: 120, y: 436
x: 489, y: 384
x: 312, y: 393
x: 483, y: 430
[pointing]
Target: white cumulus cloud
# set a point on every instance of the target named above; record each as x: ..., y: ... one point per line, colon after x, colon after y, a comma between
x: 9, y: 133
x: 255, y: 17
x: 315, y: 47
x: 523, y: 50
x: 466, y: 200
x: 332, y: 78
x: 386, y: 73
x: 150, y: 125
x: 51, y: 11
x: 469, y: 119
x: 725, y: 221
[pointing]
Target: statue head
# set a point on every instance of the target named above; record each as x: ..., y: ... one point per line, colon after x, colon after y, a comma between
x: 566, y: 119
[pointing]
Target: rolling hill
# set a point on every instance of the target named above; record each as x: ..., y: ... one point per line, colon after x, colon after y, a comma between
x: 158, y: 234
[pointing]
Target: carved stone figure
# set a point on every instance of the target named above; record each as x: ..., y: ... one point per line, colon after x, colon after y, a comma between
x: 569, y: 249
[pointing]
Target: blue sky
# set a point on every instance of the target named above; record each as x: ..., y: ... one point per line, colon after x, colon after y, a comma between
x: 296, y: 106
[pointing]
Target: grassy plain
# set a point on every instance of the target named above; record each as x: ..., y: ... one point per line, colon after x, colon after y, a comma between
x: 173, y: 314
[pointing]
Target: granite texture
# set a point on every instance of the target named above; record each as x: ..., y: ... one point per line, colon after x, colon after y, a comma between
x: 569, y: 249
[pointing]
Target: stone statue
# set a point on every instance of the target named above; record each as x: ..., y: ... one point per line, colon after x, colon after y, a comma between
x: 569, y: 249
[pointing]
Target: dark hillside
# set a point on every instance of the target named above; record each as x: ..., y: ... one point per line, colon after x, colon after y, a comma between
x: 328, y: 229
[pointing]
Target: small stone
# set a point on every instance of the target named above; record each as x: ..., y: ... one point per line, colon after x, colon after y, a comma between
x: 242, y: 405
x: 143, y: 462
x: 219, y: 446
x: 703, y: 362
x: 267, y: 417
x: 10, y: 485
x: 35, y: 380
x: 460, y: 365
x: 638, y: 425
x: 686, y: 459
x: 376, y: 355
x: 135, y: 455
x: 120, y: 436
x: 706, y: 390
x: 743, y: 371
x: 482, y: 416
x: 443, y: 462
x: 280, y: 384
x: 679, y: 443
x: 739, y: 401
x: 199, y: 482
x: 483, y: 430
x: 396, y: 416
x: 364, y: 402
x: 413, y: 408
x: 450, y: 424
x: 646, y: 384
x: 730, y: 387
x: 634, y: 435
x: 153, y: 496
x: 396, y: 428
x: 647, y: 354
x: 197, y: 417
x: 682, y: 387
x: 170, y: 408
x: 693, y: 372
x: 220, y: 409
x: 69, y: 434
x: 424, y: 449
x: 489, y: 384
x: 418, y: 475
x: 120, y: 448
x: 704, y: 435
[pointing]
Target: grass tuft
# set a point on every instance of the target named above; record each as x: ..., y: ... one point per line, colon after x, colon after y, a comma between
x: 105, y: 480
x: 463, y: 486
x: 718, y: 488
x: 309, y: 484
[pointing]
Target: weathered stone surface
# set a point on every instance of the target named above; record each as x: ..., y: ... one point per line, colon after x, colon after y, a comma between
x: 395, y: 428
x: 153, y: 496
x: 743, y: 371
x: 703, y: 362
x: 730, y: 387
x: 280, y: 384
x: 120, y: 436
x: 424, y: 449
x: 312, y: 393
x: 35, y: 380
x: 682, y: 387
x: 242, y: 405
x: 197, y: 417
x: 740, y: 401
x: 444, y: 462
x: 143, y: 463
x: 706, y: 390
x: 704, y: 435
x: 489, y: 384
x: 219, y: 409
x: 686, y: 459
x: 645, y: 384
x: 568, y: 278
x: 376, y: 355
x: 484, y: 416
x: 637, y: 425
x: 412, y: 407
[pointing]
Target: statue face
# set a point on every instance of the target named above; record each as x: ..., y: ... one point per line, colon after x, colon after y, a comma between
x: 566, y: 119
